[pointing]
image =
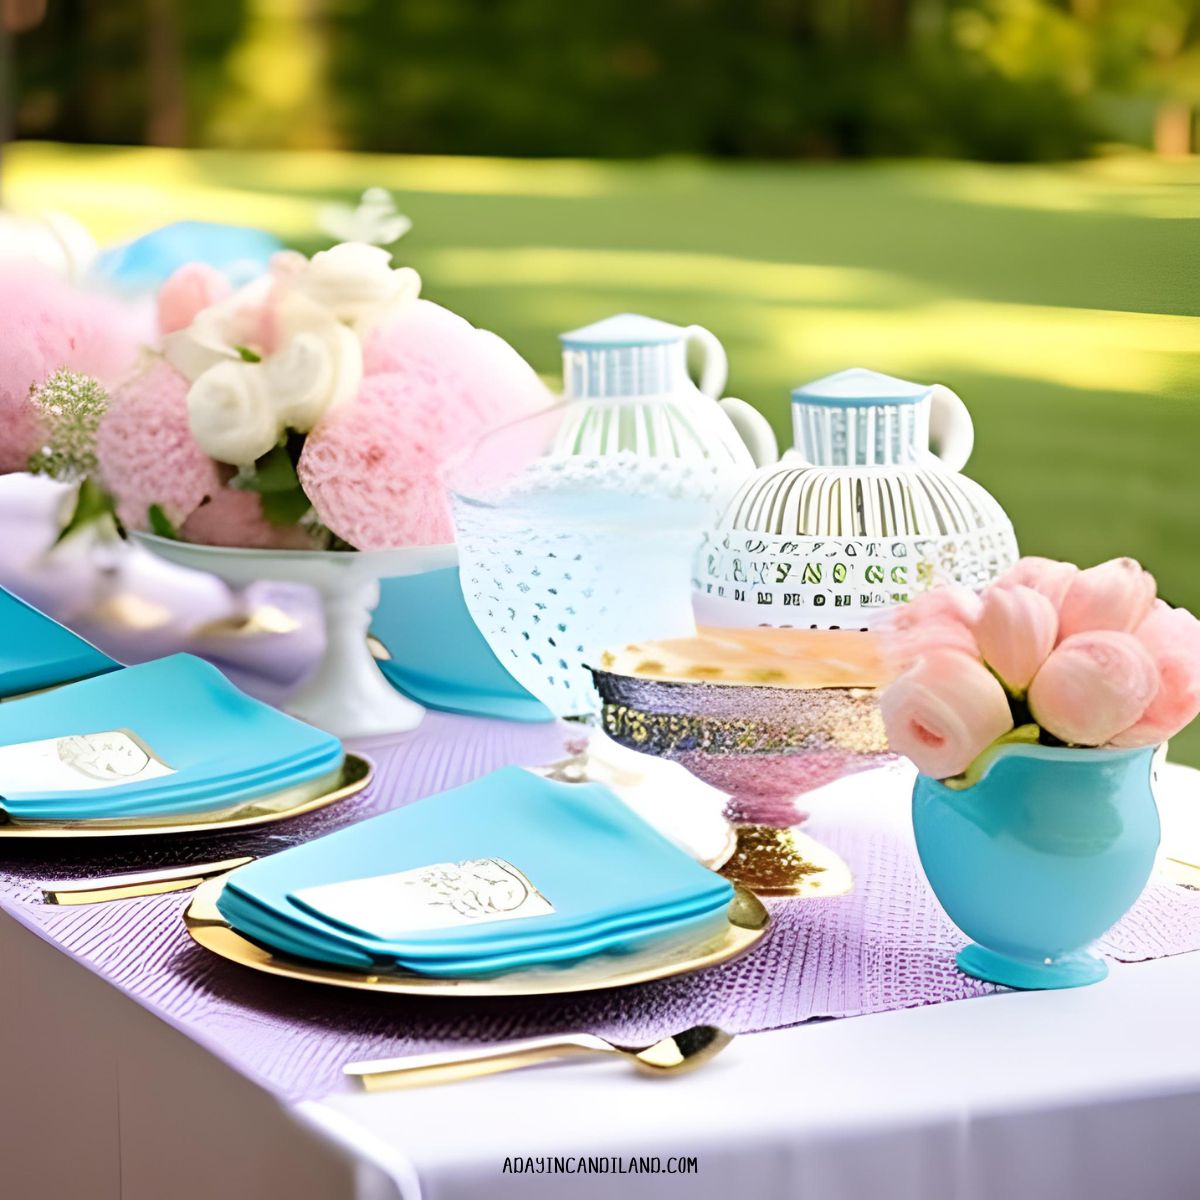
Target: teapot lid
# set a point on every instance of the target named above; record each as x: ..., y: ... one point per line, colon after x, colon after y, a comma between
x: 623, y: 330
x: 859, y: 387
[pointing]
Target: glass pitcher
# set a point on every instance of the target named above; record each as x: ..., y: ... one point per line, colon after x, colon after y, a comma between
x: 577, y: 526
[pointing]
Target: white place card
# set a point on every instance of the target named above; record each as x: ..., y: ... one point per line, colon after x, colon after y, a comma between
x: 83, y: 762
x: 440, y: 896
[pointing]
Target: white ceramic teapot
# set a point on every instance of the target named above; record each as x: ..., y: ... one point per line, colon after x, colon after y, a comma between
x: 627, y: 379
x: 859, y: 516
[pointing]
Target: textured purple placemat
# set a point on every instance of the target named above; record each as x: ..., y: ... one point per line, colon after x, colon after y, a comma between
x: 886, y: 945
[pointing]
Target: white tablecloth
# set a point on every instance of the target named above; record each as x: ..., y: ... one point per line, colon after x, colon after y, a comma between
x: 1091, y: 1093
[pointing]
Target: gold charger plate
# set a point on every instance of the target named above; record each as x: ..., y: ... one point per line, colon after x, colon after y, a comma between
x: 746, y: 923
x: 350, y: 778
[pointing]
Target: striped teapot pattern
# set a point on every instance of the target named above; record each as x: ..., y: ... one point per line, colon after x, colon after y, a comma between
x: 834, y: 543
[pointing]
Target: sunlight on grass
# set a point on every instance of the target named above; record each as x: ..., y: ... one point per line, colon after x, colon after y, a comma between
x: 129, y: 191
x: 119, y: 191
x: 1145, y: 188
x: 548, y: 266
x: 1077, y: 348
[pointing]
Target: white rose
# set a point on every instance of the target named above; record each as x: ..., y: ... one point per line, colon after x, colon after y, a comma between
x: 314, y: 371
x: 215, y: 334
x: 356, y: 282
x: 231, y: 415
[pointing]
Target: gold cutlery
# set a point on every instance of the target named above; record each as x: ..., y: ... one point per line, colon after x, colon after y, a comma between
x: 139, y: 883
x: 680, y: 1052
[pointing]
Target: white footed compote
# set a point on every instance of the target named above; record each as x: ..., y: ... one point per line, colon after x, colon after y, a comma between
x: 346, y: 693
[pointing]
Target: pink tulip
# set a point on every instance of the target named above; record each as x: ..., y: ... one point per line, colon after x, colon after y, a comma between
x: 940, y: 619
x: 1016, y: 631
x: 1093, y: 686
x: 1172, y: 638
x: 944, y: 712
x: 1115, y: 595
x: 193, y: 287
x: 1044, y: 575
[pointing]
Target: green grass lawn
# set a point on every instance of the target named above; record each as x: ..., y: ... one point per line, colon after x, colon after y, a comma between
x: 1063, y: 303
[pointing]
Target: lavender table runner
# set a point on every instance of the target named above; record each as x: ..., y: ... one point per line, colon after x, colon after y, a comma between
x: 886, y: 945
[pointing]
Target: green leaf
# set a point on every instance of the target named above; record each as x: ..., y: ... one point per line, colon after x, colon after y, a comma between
x: 285, y: 508
x: 160, y: 523
x: 92, y: 503
x: 248, y: 355
x: 1020, y: 735
x: 273, y: 472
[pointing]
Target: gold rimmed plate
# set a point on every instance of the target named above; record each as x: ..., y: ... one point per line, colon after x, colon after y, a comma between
x: 745, y: 924
x: 350, y: 778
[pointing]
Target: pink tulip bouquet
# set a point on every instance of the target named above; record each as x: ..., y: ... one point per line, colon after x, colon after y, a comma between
x: 1048, y: 654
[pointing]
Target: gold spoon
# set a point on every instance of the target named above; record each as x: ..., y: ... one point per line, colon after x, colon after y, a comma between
x: 679, y: 1052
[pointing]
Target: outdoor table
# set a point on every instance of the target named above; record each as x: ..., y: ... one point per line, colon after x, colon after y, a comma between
x: 1093, y: 1092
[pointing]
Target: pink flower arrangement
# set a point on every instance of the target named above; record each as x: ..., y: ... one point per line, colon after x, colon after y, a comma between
x: 314, y: 407
x: 49, y: 326
x: 1047, y: 653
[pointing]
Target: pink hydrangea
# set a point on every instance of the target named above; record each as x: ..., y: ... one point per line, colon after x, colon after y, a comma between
x: 234, y: 518
x: 434, y: 384
x: 50, y: 325
x: 371, y: 467
x: 147, y: 453
x: 471, y: 379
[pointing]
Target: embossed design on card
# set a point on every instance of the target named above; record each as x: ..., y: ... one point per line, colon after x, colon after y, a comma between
x: 79, y: 762
x: 439, y: 896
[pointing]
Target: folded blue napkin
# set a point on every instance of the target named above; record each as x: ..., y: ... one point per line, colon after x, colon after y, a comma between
x: 313, y: 933
x: 509, y: 871
x: 37, y: 652
x: 334, y: 952
x: 168, y: 737
x: 438, y: 656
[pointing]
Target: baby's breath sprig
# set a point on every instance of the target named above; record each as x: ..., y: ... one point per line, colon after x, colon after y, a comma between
x: 72, y: 406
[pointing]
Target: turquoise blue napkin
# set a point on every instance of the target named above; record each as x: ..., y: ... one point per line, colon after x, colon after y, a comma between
x: 335, y: 952
x: 37, y: 652
x: 315, y: 934
x: 220, y: 746
x: 602, y: 880
x: 439, y: 657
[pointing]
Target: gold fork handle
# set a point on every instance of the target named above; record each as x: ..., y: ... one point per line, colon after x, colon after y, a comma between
x: 421, y: 1070
x: 142, y: 883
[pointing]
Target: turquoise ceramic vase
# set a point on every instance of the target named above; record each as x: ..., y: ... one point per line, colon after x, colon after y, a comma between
x: 1039, y: 858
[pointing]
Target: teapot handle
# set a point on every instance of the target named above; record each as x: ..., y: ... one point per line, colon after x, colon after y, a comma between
x: 714, y: 370
x: 754, y: 429
x: 951, y: 429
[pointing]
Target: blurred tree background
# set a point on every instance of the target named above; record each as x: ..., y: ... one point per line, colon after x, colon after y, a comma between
x: 1008, y: 80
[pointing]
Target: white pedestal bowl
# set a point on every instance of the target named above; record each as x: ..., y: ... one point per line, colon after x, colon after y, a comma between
x: 346, y: 693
